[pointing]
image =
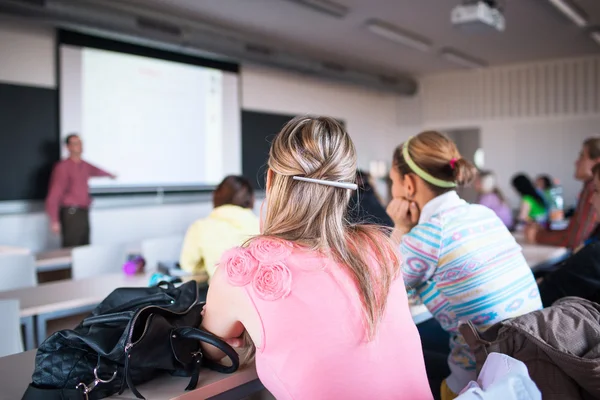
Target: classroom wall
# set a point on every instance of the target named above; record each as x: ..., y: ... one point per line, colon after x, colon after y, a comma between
x: 373, y: 119
x: 532, y: 117
x: 376, y: 121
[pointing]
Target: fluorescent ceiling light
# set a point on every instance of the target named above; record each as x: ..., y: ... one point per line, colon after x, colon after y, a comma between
x: 571, y: 11
x: 325, y: 7
x: 595, y: 36
x: 390, y: 32
x: 461, y: 59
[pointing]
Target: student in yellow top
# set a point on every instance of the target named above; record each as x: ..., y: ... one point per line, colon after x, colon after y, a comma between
x: 230, y: 224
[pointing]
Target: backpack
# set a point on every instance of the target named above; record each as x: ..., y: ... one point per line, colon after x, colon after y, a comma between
x: 560, y: 346
x: 130, y: 337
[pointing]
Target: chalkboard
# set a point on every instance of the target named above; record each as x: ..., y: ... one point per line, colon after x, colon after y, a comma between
x: 29, y: 144
x: 258, y: 131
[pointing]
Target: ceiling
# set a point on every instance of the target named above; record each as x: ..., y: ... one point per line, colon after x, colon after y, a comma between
x: 535, y: 30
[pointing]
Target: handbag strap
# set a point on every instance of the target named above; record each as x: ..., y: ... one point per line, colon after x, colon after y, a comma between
x: 209, y: 338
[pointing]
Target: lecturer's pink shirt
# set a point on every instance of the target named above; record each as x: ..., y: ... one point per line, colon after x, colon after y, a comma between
x: 313, y: 341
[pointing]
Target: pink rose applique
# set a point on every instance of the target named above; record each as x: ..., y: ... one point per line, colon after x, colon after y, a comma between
x: 240, y: 266
x: 272, y: 281
x: 270, y: 250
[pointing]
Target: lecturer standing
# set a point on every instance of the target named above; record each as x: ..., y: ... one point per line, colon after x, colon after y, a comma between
x: 68, y: 198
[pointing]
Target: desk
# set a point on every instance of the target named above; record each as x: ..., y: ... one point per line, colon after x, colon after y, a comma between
x: 13, y: 250
x: 16, y: 371
x: 65, y: 298
x: 53, y: 260
x: 539, y: 256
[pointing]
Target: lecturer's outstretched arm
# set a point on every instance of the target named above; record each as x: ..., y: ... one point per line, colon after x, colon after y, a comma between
x: 98, y: 172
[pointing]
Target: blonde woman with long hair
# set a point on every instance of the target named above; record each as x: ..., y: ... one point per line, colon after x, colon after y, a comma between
x: 321, y: 300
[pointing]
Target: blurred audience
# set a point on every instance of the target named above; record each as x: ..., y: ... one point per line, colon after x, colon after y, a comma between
x: 584, y: 219
x: 579, y: 275
x: 491, y: 197
x: 533, y: 205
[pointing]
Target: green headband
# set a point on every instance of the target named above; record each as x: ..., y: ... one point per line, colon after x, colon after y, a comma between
x: 421, y: 173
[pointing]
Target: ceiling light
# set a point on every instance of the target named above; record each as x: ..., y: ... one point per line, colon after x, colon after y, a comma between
x: 461, y: 59
x: 571, y: 11
x: 325, y: 7
x: 595, y: 36
x: 390, y: 32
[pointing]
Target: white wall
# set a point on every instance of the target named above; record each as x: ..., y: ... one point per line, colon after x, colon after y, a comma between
x: 533, y: 117
x: 371, y: 117
x: 27, y: 55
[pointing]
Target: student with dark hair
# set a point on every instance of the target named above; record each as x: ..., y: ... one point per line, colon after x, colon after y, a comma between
x: 543, y: 183
x: 230, y: 224
x: 365, y: 206
x: 584, y: 219
x: 68, y: 200
x: 533, y: 205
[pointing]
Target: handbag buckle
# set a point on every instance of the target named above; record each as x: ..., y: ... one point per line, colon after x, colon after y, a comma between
x: 97, y: 380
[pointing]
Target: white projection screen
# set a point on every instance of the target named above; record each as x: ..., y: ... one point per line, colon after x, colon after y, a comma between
x: 153, y: 122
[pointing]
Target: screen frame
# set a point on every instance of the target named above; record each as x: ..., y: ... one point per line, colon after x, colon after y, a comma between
x: 82, y: 40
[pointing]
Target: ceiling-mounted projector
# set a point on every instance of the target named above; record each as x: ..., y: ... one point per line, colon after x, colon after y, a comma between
x: 478, y: 16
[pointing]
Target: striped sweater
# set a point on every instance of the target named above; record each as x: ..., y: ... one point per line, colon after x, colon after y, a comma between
x: 465, y: 265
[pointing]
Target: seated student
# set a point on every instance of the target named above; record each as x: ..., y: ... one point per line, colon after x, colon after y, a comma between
x: 365, y: 206
x: 543, y: 184
x: 322, y: 300
x: 459, y: 257
x: 578, y: 275
x: 491, y: 197
x: 230, y: 224
x: 533, y: 205
x: 584, y: 219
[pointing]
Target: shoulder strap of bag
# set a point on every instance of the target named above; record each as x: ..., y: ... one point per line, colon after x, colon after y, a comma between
x: 209, y: 338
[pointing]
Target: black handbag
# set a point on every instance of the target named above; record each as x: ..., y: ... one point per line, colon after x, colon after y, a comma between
x: 129, y: 338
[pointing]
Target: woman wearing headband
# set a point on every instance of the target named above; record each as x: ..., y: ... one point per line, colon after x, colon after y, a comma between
x: 322, y: 301
x: 460, y: 258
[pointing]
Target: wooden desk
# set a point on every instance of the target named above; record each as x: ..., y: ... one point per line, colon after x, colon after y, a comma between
x: 16, y: 371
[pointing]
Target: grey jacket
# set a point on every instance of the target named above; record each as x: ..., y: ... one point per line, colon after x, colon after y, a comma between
x: 560, y: 346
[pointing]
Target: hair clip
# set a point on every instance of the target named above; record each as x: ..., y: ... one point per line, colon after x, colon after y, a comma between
x: 341, y: 185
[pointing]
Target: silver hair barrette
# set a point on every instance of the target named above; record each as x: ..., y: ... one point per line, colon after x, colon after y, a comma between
x: 342, y: 185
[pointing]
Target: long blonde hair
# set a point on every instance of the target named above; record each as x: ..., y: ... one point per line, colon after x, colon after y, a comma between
x: 314, y: 215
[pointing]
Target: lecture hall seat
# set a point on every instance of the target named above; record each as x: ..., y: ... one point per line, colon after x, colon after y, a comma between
x: 17, y: 270
x: 10, y: 334
x: 166, y: 249
x: 95, y: 260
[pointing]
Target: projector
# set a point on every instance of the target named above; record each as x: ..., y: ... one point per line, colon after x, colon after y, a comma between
x: 478, y: 16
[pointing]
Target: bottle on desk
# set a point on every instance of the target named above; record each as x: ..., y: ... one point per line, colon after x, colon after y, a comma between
x: 557, y: 207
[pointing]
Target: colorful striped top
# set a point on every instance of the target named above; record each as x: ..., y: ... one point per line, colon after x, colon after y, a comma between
x: 465, y: 265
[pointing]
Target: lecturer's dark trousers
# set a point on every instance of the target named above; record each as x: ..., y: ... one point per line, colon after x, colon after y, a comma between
x: 75, y: 226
